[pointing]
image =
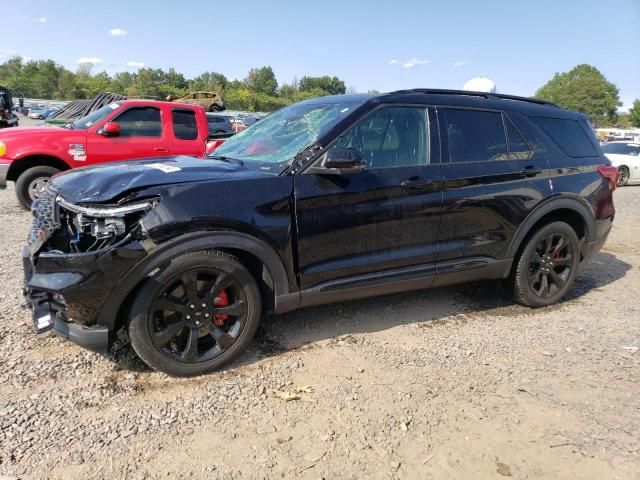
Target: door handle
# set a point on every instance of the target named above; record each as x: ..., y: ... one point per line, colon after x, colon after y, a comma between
x: 160, y: 149
x: 415, y: 183
x: 530, y: 171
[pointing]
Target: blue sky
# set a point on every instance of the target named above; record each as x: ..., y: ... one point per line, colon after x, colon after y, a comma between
x: 438, y: 44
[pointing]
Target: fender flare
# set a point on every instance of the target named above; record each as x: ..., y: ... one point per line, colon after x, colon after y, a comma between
x: 577, y: 204
x: 188, y: 243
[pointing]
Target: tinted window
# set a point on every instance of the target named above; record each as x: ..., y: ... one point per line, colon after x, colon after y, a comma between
x: 390, y: 137
x: 621, y: 149
x: 140, y: 122
x: 519, y: 149
x: 568, y: 135
x: 184, y: 124
x: 475, y: 135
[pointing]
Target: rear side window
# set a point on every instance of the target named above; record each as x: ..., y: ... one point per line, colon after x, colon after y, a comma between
x: 140, y: 122
x: 475, y: 135
x: 184, y: 124
x: 569, y: 135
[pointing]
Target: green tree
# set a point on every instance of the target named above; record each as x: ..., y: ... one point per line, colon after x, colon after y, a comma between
x: 634, y: 114
x: 584, y: 89
x: 209, y: 82
x: 262, y: 80
x: 331, y: 85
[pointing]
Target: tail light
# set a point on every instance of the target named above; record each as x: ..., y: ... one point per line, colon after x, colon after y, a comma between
x: 212, y: 145
x: 610, y: 173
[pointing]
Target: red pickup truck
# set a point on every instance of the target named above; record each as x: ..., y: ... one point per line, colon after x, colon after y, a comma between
x: 119, y: 131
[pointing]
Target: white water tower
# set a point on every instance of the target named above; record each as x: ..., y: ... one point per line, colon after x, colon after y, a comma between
x: 480, y: 84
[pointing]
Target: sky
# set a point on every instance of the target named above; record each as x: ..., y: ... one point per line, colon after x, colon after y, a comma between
x: 369, y: 44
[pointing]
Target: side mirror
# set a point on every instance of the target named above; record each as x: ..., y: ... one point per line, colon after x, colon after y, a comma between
x: 339, y: 161
x: 110, y: 129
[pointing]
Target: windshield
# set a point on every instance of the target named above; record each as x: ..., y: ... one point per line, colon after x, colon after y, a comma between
x: 95, y: 117
x: 273, y: 142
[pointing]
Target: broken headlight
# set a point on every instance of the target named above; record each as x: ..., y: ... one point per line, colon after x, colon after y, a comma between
x: 90, y: 228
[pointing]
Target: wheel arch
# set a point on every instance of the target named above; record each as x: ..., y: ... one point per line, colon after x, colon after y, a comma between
x: 259, y: 258
x: 571, y: 210
x: 19, y: 166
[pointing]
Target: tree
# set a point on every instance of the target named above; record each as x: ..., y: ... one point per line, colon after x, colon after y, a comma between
x: 209, y: 82
x: 262, y: 80
x: 584, y: 89
x: 331, y: 85
x: 634, y: 114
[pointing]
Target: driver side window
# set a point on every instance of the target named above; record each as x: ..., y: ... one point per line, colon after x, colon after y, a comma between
x: 140, y: 122
x: 390, y: 137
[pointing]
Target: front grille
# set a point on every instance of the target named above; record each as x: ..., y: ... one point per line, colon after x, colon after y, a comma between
x: 45, y: 221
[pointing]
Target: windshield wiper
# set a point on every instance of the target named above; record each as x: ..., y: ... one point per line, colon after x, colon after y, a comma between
x: 227, y: 159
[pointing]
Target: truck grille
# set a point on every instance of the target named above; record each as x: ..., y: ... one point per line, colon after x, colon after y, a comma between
x: 46, y: 221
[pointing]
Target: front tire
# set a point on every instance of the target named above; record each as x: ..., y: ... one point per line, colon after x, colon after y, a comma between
x: 623, y: 176
x: 32, y: 182
x: 546, y: 267
x: 195, y: 315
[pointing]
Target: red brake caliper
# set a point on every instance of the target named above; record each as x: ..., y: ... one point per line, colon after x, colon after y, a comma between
x: 222, y: 300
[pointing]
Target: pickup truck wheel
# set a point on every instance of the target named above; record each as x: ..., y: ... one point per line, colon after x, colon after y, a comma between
x: 31, y: 182
x: 547, y: 266
x: 195, y: 315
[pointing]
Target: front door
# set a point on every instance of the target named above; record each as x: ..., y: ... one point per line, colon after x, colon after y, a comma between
x: 380, y: 219
x: 141, y: 135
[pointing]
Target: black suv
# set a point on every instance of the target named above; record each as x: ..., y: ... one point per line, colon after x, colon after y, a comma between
x: 329, y: 199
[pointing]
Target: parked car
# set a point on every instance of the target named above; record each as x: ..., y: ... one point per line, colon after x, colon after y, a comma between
x: 118, y: 131
x: 329, y: 199
x: 625, y: 156
x: 219, y: 124
x: 40, y: 113
x: 210, y: 101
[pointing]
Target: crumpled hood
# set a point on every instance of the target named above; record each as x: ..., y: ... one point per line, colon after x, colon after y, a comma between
x: 104, y: 182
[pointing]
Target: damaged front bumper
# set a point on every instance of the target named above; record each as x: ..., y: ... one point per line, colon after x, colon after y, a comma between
x: 66, y: 291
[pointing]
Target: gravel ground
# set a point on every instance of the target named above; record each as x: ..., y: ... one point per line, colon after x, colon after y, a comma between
x: 448, y: 383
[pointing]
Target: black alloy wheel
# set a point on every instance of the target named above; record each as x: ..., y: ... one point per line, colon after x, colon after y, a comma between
x: 546, y: 267
x: 550, y: 265
x: 197, y: 314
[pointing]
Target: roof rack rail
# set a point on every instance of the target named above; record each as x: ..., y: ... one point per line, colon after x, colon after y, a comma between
x: 439, y: 91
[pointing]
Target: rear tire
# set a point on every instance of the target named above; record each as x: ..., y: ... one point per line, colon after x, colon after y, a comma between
x: 547, y: 266
x: 178, y: 324
x: 31, y: 181
x: 623, y: 176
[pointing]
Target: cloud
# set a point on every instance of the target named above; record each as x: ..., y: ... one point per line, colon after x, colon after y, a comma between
x: 393, y: 61
x: 461, y: 63
x: 8, y: 53
x: 92, y: 60
x: 131, y: 63
x: 412, y: 62
x: 39, y: 19
x: 118, y: 32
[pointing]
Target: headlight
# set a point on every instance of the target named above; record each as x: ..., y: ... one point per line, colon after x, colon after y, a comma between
x: 107, y: 212
x: 3, y: 148
x: 90, y: 228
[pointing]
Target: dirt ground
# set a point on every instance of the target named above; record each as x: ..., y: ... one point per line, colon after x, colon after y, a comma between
x: 453, y: 383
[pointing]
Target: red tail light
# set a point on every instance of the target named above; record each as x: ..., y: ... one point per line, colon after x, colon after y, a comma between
x: 212, y: 145
x: 610, y: 173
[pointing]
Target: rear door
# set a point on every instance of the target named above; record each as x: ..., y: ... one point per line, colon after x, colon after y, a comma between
x: 189, y: 136
x: 493, y: 179
x: 142, y: 134
x: 385, y: 217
